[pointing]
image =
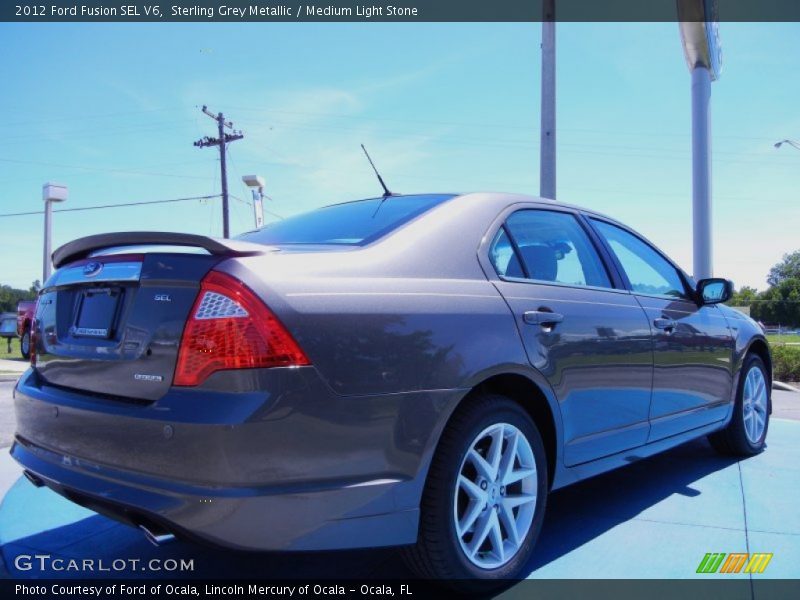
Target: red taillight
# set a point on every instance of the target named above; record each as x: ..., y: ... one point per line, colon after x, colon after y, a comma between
x: 32, y: 340
x: 230, y: 328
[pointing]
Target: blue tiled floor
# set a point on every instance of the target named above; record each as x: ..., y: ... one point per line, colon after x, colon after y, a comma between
x: 653, y: 519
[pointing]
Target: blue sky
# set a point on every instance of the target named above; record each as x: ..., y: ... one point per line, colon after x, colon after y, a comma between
x: 112, y: 110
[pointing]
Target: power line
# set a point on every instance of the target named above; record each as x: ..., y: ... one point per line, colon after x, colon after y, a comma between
x: 513, y: 126
x: 328, y: 115
x: 269, y: 212
x: 37, y: 120
x: 99, y: 206
x: 237, y: 174
x: 529, y: 144
x: 131, y: 128
x: 101, y: 169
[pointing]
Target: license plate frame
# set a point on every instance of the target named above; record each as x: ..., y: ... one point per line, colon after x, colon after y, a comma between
x: 96, y: 313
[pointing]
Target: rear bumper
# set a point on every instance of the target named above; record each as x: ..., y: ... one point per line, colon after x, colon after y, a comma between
x: 295, y: 469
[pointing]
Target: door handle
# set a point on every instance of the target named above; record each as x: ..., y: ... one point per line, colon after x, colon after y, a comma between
x: 542, y: 317
x: 665, y: 324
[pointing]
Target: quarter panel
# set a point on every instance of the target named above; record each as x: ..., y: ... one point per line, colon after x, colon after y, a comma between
x: 385, y: 335
x: 412, y: 311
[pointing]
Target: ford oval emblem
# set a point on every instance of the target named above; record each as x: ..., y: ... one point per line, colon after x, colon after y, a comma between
x: 93, y: 268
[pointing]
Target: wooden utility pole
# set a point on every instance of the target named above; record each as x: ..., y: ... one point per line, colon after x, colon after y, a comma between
x: 221, y: 141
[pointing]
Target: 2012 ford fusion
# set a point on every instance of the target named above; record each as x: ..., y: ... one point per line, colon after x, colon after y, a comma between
x: 415, y: 371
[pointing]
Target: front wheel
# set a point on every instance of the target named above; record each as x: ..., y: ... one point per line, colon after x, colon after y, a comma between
x: 746, y: 433
x: 484, y: 501
x: 25, y: 344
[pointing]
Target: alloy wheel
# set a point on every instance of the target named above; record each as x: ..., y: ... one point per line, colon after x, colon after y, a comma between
x: 495, y: 496
x: 754, y: 405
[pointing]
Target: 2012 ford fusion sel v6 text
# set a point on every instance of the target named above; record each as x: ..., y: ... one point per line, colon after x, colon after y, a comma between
x: 413, y: 371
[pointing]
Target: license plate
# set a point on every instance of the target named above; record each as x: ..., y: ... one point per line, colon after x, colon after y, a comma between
x: 97, y: 312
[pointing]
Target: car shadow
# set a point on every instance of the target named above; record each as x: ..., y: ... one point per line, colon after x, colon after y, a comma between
x: 580, y: 513
x: 575, y: 516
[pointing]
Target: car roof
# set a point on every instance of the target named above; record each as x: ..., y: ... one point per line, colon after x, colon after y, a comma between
x: 513, y: 198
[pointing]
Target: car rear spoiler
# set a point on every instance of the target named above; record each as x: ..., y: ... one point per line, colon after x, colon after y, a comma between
x: 83, y: 247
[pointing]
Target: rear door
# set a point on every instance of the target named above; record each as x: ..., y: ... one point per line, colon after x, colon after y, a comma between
x: 692, y: 344
x: 590, y: 340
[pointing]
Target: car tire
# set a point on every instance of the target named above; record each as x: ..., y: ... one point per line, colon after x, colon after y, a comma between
x: 746, y: 433
x: 25, y: 344
x: 456, y: 488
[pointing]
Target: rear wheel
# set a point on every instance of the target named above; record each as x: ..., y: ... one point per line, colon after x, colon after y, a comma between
x: 746, y: 433
x: 484, y: 501
x: 25, y: 344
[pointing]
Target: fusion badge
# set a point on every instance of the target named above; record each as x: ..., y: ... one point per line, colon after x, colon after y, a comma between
x: 147, y: 377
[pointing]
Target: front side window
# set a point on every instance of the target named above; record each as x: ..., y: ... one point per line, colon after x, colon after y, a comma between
x: 648, y: 272
x: 547, y: 246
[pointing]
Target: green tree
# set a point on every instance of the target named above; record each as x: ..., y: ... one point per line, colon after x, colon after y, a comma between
x: 9, y: 296
x: 788, y: 268
x: 780, y: 304
x: 743, y: 297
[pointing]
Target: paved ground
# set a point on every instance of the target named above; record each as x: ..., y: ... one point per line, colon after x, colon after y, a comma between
x: 8, y: 366
x: 786, y: 405
x: 7, y: 422
x: 653, y: 519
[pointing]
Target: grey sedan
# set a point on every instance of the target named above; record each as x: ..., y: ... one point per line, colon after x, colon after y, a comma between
x: 416, y: 371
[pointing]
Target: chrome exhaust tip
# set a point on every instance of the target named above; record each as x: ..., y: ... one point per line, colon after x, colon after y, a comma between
x: 36, y: 481
x: 157, y: 537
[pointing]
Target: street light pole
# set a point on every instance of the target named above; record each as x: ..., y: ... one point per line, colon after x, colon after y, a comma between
x: 256, y: 185
x: 51, y: 192
x: 792, y: 143
x: 547, y: 141
x: 701, y: 173
x: 699, y: 31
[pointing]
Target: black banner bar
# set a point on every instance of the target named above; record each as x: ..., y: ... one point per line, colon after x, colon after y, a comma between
x: 391, y: 11
x: 714, y: 588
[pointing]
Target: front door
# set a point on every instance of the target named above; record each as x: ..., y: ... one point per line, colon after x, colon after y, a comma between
x: 692, y: 344
x: 591, y: 341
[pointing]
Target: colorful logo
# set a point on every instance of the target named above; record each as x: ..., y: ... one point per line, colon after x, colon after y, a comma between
x: 736, y: 562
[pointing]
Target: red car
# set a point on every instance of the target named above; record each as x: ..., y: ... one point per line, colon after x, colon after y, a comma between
x: 25, y: 310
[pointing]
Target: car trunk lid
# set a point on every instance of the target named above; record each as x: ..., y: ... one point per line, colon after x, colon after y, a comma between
x: 109, y: 321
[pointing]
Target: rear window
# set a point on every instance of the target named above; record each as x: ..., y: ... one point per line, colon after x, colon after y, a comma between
x: 352, y: 223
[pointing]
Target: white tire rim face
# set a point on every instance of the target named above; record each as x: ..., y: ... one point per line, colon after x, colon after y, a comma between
x: 754, y: 405
x: 495, y: 496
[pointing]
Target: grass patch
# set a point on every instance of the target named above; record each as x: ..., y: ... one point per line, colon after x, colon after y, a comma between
x: 15, y: 354
x: 783, y: 339
x: 786, y: 362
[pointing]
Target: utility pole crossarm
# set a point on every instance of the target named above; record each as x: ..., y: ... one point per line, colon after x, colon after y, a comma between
x: 221, y: 141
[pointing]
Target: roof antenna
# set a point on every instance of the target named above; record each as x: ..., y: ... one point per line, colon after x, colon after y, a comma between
x: 386, y: 192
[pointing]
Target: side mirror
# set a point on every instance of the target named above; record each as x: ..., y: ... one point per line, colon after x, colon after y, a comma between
x: 714, y: 290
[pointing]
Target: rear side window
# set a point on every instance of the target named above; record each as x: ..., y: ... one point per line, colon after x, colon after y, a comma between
x: 547, y: 246
x: 648, y: 272
x: 352, y: 223
x: 503, y: 257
